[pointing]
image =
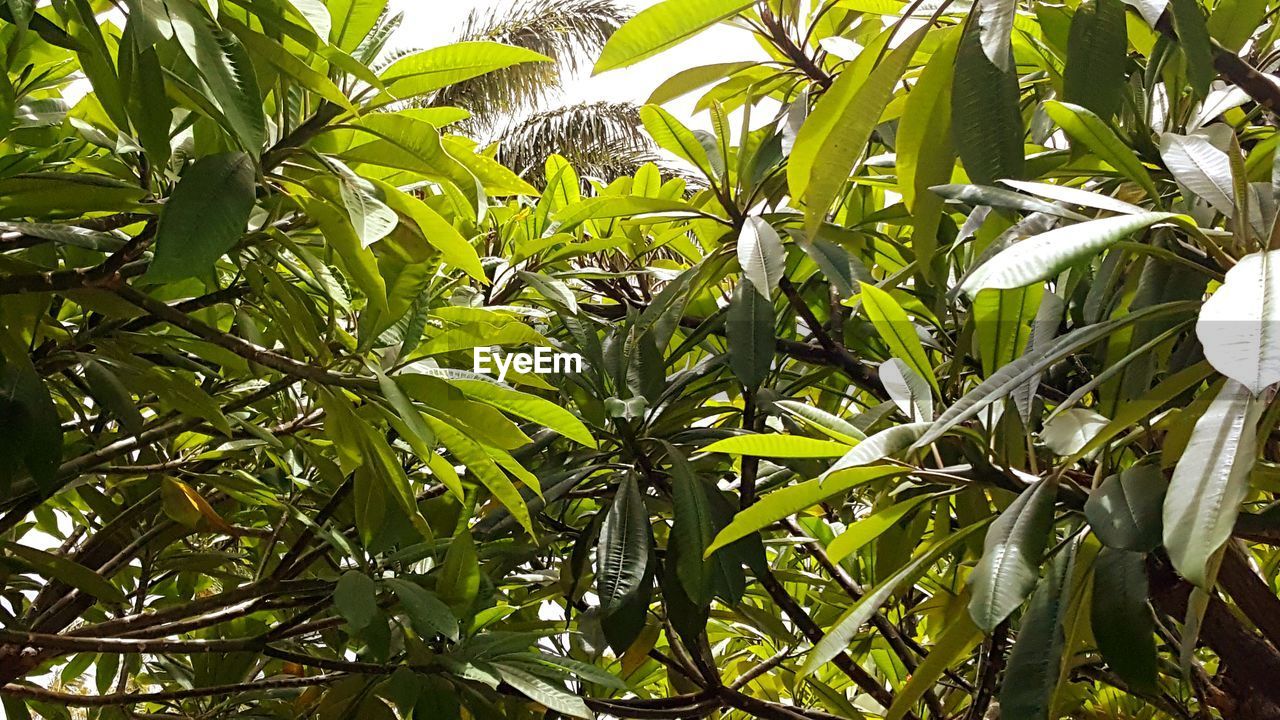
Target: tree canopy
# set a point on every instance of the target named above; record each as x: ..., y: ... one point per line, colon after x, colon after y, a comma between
x: 938, y: 382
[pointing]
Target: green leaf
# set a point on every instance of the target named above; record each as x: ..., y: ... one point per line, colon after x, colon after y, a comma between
x: 427, y: 613
x: 1097, y: 53
x: 1045, y: 255
x: 671, y: 135
x: 761, y: 255
x: 356, y: 599
x: 1201, y: 167
x: 1193, y: 37
x: 529, y: 407
x: 1124, y: 511
x: 986, y: 122
x: 614, y: 206
x: 482, y: 466
x: 898, y: 331
x: 622, y: 558
x: 824, y: 422
x: 30, y: 431
x: 226, y: 69
x: 56, y: 567
x: 552, y: 697
x: 1210, y: 481
x: 459, y: 581
x: 955, y: 642
x: 835, y: 135
x: 1239, y: 325
x: 1002, y: 321
x: 867, y: 529
x: 433, y: 228
x: 1000, y: 198
x: 351, y: 20
x: 693, y: 528
x: 1036, y: 659
x: 777, y: 445
x: 1233, y: 22
x: 1121, y: 618
x: 788, y: 501
x: 840, y: 636
x: 879, y: 446
x: 660, y: 26
x: 429, y: 70
x: 370, y: 216
x: 1011, y: 556
x: 688, y: 80
x: 1085, y: 127
x: 907, y: 389
x: 204, y: 218
x: 749, y: 332
x: 108, y: 390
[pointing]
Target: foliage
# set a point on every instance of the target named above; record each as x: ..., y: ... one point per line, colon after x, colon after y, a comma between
x: 947, y: 391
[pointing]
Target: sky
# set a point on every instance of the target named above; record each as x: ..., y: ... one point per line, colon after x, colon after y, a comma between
x: 433, y: 22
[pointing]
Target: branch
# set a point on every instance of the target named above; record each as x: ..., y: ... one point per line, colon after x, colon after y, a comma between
x: 1234, y: 69
x: 71, y: 700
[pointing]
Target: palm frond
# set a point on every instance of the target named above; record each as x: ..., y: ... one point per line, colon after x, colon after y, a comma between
x: 600, y: 139
x: 570, y: 32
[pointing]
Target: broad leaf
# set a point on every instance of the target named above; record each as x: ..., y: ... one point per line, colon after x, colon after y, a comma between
x: 761, y: 255
x: 1239, y: 326
x: 1011, y: 555
x: 204, y: 218
x: 623, y: 554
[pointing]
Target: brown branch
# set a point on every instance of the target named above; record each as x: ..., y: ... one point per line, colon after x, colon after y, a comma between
x: 72, y: 700
x: 1234, y: 69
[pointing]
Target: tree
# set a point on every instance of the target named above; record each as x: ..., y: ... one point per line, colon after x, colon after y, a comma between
x: 947, y: 391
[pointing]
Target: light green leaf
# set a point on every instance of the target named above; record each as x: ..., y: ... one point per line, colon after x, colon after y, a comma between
x: 777, y: 445
x: 429, y: 70
x: 907, y: 390
x: 660, y: 26
x: 788, y: 501
x: 1085, y: 127
x: 482, y: 466
x: 862, y: 532
x: 897, y: 330
x: 529, y: 407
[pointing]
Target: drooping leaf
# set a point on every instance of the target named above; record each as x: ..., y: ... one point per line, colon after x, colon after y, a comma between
x: 1034, y: 662
x: 1096, y: 57
x: 1122, y: 621
x: 749, y: 331
x: 761, y: 255
x: 67, y: 571
x: 1210, y: 481
x: 1193, y: 37
x: 1012, y: 552
x: 30, y: 431
x: 204, y: 218
x: 897, y: 330
x: 622, y: 558
x: 879, y: 446
x: 356, y: 598
x: 1083, y: 126
x: 986, y: 123
x: 1124, y: 511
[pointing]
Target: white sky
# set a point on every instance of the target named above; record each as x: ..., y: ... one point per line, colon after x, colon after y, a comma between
x: 433, y: 22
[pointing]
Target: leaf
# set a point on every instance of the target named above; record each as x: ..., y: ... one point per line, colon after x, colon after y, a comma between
x: 1097, y: 48
x: 355, y: 597
x: 839, y: 637
x: 1013, y: 375
x: 550, y: 696
x: 1124, y: 511
x: 955, y: 642
x: 1011, y: 556
x: 790, y: 500
x: 622, y: 557
x: 897, y: 330
x: 614, y: 206
x: 835, y: 134
x: 429, y: 70
x: 1036, y: 659
x: 112, y: 394
x: 749, y: 333
x: 482, y: 466
x: 529, y: 407
x: 1045, y: 255
x: 188, y: 507
x: 1210, y: 481
x: 369, y: 215
x: 227, y: 70
x: 688, y: 80
x: 1000, y: 198
x: 828, y: 424
x: 777, y: 445
x: 1193, y: 37
x: 436, y: 230
x: 1085, y: 127
x: 661, y: 26
x: 907, y: 389
x: 205, y: 217
x: 693, y: 528
x: 986, y: 123
x: 56, y: 567
x: 459, y: 581
x: 761, y: 255
x: 352, y: 20
x: 316, y: 15
x: 879, y: 446
x: 427, y: 613
x: 1002, y: 321
x: 1074, y: 196
x: 867, y: 529
x: 1122, y: 622
x: 1201, y: 167
x: 673, y: 136
x: 1239, y: 325
x: 1070, y: 430
x: 30, y: 431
